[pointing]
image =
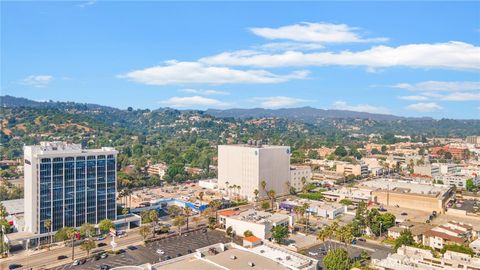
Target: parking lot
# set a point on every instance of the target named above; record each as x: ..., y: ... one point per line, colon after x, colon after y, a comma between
x: 172, y: 247
x: 374, y: 250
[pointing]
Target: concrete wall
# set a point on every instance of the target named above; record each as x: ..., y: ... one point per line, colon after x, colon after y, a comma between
x: 412, y: 201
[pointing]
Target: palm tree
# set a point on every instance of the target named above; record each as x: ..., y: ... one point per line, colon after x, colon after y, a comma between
x: 125, y: 212
x: 195, y: 220
x: 264, y: 185
x: 48, y: 225
x: 306, y: 206
x: 200, y: 195
x: 153, y: 215
x: 256, y: 192
x: 71, y: 234
x: 304, y: 182
x: 297, y: 210
x: 215, y: 204
x: 179, y: 221
x: 271, y: 194
x: 228, y: 187
x: 238, y: 192
x: 187, y: 210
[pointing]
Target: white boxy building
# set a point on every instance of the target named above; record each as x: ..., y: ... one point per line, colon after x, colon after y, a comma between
x: 258, y: 222
x: 242, y: 168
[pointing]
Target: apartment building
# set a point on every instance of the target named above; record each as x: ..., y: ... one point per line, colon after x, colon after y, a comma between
x: 247, y: 165
x: 459, y: 153
x: 417, y: 230
x: 473, y: 140
x: 68, y: 185
x: 450, y: 233
x: 157, y: 169
x: 411, y: 258
x: 297, y: 174
x: 355, y: 169
x: 426, y: 170
x: 458, y: 180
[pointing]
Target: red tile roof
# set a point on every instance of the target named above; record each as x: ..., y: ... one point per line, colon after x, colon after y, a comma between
x: 252, y: 239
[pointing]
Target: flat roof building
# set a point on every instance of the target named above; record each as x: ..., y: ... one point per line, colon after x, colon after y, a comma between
x: 242, y: 168
x: 68, y: 185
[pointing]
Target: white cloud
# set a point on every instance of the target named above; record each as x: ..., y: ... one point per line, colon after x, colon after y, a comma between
x: 450, y: 55
x: 206, y: 92
x: 174, y: 72
x: 424, y: 107
x: 289, y: 46
x: 193, y: 101
x: 314, y: 32
x: 37, y: 80
x: 439, y: 86
x: 413, y: 97
x: 342, y: 105
x: 87, y: 3
x: 278, y: 101
x: 461, y: 96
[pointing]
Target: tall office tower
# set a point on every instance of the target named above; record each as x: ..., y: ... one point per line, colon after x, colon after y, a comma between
x: 68, y: 185
x: 242, y: 168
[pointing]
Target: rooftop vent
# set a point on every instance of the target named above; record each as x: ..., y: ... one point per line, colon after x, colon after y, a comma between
x: 251, y: 264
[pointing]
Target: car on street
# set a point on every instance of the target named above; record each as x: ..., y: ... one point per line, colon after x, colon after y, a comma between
x: 104, y: 267
x: 101, y: 244
x: 312, y: 253
x: 161, y: 252
x: 102, y: 237
x: 403, y: 214
x: 61, y: 257
x: 75, y: 263
x: 132, y: 247
x: 14, y: 266
x: 103, y: 255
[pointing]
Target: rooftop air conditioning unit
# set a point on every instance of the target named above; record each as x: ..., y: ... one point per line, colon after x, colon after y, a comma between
x: 251, y: 264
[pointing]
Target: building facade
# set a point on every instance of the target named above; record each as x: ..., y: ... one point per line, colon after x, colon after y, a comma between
x: 297, y: 173
x: 246, y: 166
x: 68, y: 185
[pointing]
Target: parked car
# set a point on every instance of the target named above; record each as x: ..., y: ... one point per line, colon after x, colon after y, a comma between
x: 312, y: 253
x: 132, y: 247
x: 14, y: 266
x: 104, y: 267
x: 102, y: 237
x: 76, y: 262
x: 101, y: 244
x: 103, y: 255
x: 161, y: 252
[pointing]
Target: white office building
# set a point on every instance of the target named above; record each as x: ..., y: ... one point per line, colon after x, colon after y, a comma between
x: 297, y: 174
x: 68, y: 185
x: 242, y: 168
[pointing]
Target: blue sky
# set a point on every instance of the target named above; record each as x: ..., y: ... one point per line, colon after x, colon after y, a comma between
x: 409, y: 59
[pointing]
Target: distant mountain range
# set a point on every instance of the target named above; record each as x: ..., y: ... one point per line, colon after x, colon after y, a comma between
x: 304, y: 114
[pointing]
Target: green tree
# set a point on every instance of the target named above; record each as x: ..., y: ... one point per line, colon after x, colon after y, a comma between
x: 247, y: 233
x: 144, y: 231
x: 88, y: 245
x: 405, y: 238
x: 341, y: 151
x: 458, y: 248
x: 125, y: 212
x: 337, y: 259
x: 215, y: 205
x: 179, y: 221
x: 105, y: 225
x: 346, y: 202
x: 87, y: 230
x: 153, y: 216
x: 279, y: 233
x: 265, y: 205
x: 48, y: 225
x: 470, y: 185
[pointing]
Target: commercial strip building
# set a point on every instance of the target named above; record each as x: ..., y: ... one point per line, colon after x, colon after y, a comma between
x: 473, y: 140
x: 411, y: 258
x: 234, y: 257
x: 352, y: 169
x: 329, y: 210
x: 458, y: 180
x: 409, y: 194
x: 258, y: 222
x: 242, y: 168
x: 353, y: 194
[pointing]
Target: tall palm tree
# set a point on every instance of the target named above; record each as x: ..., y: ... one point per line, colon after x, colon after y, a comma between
x: 256, y: 192
x: 125, y: 212
x: 306, y: 206
x: 304, y: 182
x: 71, y: 234
x: 271, y: 194
x: 48, y: 225
x: 215, y: 204
x: 264, y: 185
x: 238, y: 192
x: 187, y: 211
x: 228, y: 187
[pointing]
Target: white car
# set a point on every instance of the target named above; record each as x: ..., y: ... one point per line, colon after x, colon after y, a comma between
x: 76, y: 262
x: 312, y: 253
x: 161, y: 252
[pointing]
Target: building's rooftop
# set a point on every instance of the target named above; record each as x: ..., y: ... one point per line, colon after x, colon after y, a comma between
x: 259, y: 216
x: 55, y: 147
x: 254, y: 145
x: 14, y: 207
x: 406, y: 187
